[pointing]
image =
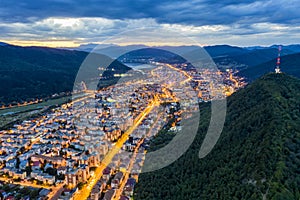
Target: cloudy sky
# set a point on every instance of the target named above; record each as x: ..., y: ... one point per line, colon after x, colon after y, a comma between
x: 62, y: 23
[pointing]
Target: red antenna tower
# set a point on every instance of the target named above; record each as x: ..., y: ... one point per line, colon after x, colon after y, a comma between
x: 277, y: 69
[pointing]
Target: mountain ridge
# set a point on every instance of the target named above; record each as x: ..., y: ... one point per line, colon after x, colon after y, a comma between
x: 290, y: 64
x: 39, y: 72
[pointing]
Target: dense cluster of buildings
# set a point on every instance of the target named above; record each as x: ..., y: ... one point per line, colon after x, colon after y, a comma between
x: 64, y: 147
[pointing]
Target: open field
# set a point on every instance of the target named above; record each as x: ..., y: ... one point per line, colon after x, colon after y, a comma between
x: 12, y: 115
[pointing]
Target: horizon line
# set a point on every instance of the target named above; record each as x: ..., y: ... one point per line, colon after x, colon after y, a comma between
x: 51, y: 44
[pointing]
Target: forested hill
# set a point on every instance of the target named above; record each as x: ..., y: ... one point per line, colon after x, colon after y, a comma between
x: 290, y: 64
x: 256, y: 157
x: 35, y: 72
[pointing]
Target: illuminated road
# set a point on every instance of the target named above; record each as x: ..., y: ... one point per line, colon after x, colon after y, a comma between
x: 52, y: 195
x: 91, y: 94
x: 20, y: 105
x: 30, y: 103
x: 168, y: 94
x: 236, y: 83
x: 55, y: 193
x: 86, y: 190
x: 181, y: 71
x: 230, y: 90
x: 23, y: 183
x: 128, y: 171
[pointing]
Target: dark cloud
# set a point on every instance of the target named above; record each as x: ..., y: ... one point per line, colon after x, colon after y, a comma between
x: 192, y: 12
x: 235, y: 22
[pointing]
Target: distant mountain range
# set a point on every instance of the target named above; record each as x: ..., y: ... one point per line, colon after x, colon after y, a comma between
x: 225, y: 56
x: 116, y: 51
x: 256, y: 157
x: 3, y: 44
x: 153, y: 54
x: 36, y: 72
x: 294, y: 48
x: 215, y: 50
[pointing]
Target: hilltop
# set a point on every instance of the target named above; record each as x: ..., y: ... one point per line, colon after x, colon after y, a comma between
x: 256, y: 157
x: 37, y: 72
x: 290, y: 64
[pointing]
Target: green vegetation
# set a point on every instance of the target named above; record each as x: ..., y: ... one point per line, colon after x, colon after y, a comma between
x: 256, y: 157
x: 242, y: 58
x: 32, y: 107
x: 290, y: 64
x: 80, y: 185
x: 20, y: 192
x: 11, y: 116
x: 28, y: 73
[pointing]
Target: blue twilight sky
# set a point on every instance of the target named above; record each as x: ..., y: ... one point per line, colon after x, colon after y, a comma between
x: 75, y: 22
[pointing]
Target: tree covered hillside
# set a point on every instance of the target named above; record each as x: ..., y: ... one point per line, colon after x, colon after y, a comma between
x: 256, y: 157
x: 35, y: 72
